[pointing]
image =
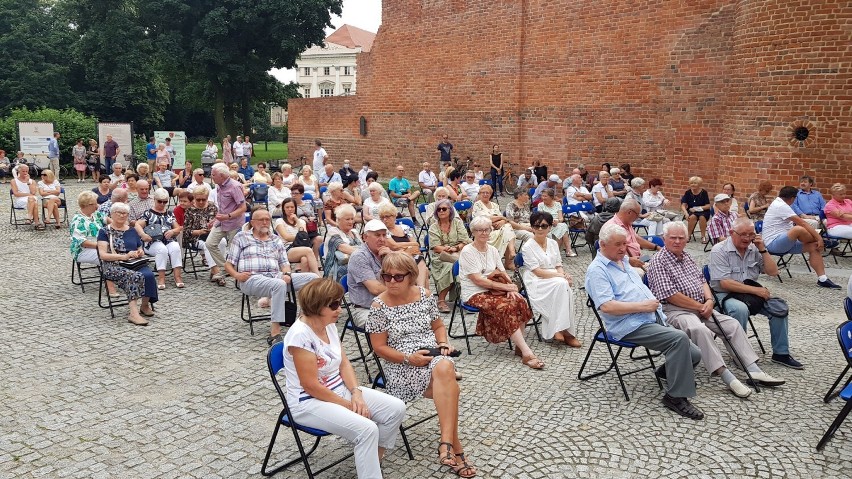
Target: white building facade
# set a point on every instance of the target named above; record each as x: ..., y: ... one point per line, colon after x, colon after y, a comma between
x: 331, y: 70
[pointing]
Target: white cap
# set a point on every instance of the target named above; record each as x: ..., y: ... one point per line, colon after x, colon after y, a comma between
x: 375, y: 225
x: 721, y: 197
x: 553, y: 178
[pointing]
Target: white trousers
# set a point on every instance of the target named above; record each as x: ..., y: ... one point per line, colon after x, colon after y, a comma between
x: 164, y: 254
x: 88, y: 256
x: 841, y: 231
x: 202, y: 246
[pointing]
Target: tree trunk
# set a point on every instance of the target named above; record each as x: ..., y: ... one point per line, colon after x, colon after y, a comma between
x: 219, y: 111
x: 246, y: 104
x: 229, y: 120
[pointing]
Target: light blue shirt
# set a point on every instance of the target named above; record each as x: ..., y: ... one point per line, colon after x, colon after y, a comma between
x: 53, y: 148
x: 605, y: 282
x: 325, y: 179
x: 809, y: 203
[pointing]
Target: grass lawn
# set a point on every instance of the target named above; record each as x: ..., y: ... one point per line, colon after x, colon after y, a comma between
x: 276, y: 151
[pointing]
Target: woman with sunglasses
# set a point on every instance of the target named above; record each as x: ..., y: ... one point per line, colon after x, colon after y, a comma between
x: 447, y: 236
x: 165, y: 249
x: 340, y: 242
x: 503, y: 312
x: 305, y: 210
x: 548, y: 285
x: 49, y: 189
x: 287, y: 229
x: 403, y: 320
x: 560, y: 229
x: 321, y: 388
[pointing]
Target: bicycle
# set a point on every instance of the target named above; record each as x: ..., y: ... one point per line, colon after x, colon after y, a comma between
x: 462, y: 168
x: 510, y: 178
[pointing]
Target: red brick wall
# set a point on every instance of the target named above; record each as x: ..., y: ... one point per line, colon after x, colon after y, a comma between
x: 674, y: 88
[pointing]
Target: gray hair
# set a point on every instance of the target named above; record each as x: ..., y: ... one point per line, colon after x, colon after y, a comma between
x: 674, y: 225
x: 119, y: 195
x: 449, y: 205
x: 118, y: 165
x: 334, y: 186
x: 86, y: 197
x: 161, y: 194
x: 441, y: 189
x: 375, y: 186
x: 613, y: 171
x: 549, y: 192
x: 198, y: 171
x: 637, y: 182
x: 480, y: 222
x: 742, y: 221
x: 629, y: 204
x: 610, y: 231
x: 221, y: 168
x: 201, y: 190
x: 344, y: 210
x: 122, y: 207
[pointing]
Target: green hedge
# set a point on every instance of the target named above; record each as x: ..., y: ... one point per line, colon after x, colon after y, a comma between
x: 70, y: 123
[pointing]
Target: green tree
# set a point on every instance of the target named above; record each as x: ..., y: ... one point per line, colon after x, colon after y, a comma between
x: 70, y: 123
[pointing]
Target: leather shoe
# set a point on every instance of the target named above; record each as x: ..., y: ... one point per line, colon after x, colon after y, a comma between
x: 660, y: 372
x: 787, y: 360
x: 683, y: 407
x: 766, y: 380
x: 739, y: 389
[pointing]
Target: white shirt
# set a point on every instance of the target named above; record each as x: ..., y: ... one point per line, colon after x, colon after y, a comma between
x: 604, y: 191
x: 329, y: 357
x: 53, y: 186
x: 362, y: 175
x: 470, y: 189
x: 776, y: 221
x: 319, y: 156
x: 525, y: 183
x: 238, y: 148
x: 212, y: 149
x: 471, y: 260
x: 247, y: 146
x: 571, y: 190
x: 429, y: 179
x: 288, y: 180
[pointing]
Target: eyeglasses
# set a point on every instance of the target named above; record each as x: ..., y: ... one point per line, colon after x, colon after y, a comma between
x: 334, y: 304
x: 482, y: 230
x: 395, y: 277
x: 162, y: 202
x: 542, y: 226
x: 442, y: 209
x: 387, y: 216
x: 120, y: 213
x: 44, y: 174
x: 747, y: 235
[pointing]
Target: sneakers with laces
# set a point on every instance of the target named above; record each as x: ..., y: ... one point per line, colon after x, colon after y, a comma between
x: 787, y: 361
x: 828, y: 284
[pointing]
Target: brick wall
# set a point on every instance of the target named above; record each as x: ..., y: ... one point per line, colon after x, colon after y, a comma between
x: 708, y: 88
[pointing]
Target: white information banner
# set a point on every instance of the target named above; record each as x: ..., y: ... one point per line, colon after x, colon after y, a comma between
x: 33, y: 137
x: 178, y: 139
x: 122, y: 133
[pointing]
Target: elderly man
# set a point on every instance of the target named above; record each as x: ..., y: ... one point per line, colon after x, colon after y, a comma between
x: 809, y: 202
x: 632, y: 313
x: 552, y: 182
x: 428, y: 182
x: 784, y: 232
x: 116, y: 178
x: 142, y: 203
x: 527, y: 180
x: 629, y: 212
x: 743, y: 257
x: 400, y: 192
x: 257, y: 260
x: 119, y: 195
x: 576, y: 191
x: 328, y: 175
x: 676, y: 281
x: 719, y: 227
x: 364, y: 270
x: 470, y: 186
x: 232, y: 207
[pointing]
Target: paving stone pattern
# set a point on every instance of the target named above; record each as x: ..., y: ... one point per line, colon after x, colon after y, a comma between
x: 87, y: 396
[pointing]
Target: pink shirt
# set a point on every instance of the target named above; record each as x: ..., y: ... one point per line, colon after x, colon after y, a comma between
x: 633, y: 248
x: 230, y: 197
x: 845, y: 207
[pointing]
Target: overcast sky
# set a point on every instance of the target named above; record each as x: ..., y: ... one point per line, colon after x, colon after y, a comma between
x: 364, y: 14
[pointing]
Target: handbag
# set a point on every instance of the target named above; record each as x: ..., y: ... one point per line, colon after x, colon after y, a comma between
x: 448, y: 257
x: 302, y: 239
x: 131, y: 264
x: 157, y: 232
x: 754, y: 302
x: 311, y: 226
x: 289, y: 313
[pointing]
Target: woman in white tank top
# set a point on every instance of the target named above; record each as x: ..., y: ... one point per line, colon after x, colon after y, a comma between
x: 23, y: 190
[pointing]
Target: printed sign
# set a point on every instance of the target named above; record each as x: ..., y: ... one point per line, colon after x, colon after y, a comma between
x: 178, y: 140
x: 33, y: 137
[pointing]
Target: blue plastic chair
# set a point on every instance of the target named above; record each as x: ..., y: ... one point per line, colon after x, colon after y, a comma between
x: 720, y: 305
x: 307, y: 197
x: 844, y: 336
x: 485, y: 182
x: 357, y: 331
x: 461, y: 307
x: 657, y: 240
x: 322, y: 190
x: 567, y: 210
x: 275, y: 362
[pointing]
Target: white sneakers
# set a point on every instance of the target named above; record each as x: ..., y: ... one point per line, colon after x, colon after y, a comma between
x: 739, y: 389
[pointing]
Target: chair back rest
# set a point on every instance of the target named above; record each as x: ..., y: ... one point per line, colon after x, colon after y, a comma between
x: 758, y: 226
x: 847, y: 306
x: 259, y: 192
x: 657, y: 240
x: 406, y: 222
x: 844, y: 335
x: 576, y: 208
x: 323, y: 189
x: 484, y: 182
x: 531, y: 192
x: 307, y: 197
x: 322, y: 250
x: 519, y: 260
x: 426, y: 241
x: 421, y: 208
x: 455, y: 269
x: 706, y: 271
x: 344, y: 281
x: 463, y: 205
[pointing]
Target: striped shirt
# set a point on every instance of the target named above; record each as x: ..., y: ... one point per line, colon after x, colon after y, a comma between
x: 256, y: 256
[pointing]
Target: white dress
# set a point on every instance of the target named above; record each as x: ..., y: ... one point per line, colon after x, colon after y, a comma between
x: 551, y: 297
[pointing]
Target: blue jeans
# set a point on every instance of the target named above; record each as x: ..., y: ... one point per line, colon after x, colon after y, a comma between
x: 777, y: 326
x: 497, y: 179
x: 108, y: 161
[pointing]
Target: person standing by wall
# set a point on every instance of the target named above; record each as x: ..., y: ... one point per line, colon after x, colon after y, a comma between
x: 497, y: 170
x: 109, y: 152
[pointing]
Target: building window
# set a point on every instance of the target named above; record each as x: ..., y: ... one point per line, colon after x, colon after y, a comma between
x: 307, y: 90
x: 326, y: 92
x: 326, y: 71
x: 347, y: 90
x: 307, y: 71
x: 347, y: 70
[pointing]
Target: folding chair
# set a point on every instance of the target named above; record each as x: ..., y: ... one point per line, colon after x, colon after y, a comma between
x: 78, y: 276
x: 568, y: 210
x: 536, y: 321
x: 63, y: 205
x: 246, y: 314
x: 459, y: 305
x: 190, y: 256
x: 356, y: 330
x: 462, y: 207
x: 13, y: 212
x: 844, y: 336
x: 721, y: 306
x: 410, y: 223
x: 275, y: 362
x: 103, y: 294
x: 259, y: 194
x: 602, y: 336
x: 783, y: 259
x: 657, y: 240
x: 424, y: 226
x: 835, y: 241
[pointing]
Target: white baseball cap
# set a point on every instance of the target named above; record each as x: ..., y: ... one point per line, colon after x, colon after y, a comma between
x: 375, y: 225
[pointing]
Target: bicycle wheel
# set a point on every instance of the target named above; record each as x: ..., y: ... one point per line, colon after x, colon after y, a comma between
x: 510, y: 182
x: 487, y: 177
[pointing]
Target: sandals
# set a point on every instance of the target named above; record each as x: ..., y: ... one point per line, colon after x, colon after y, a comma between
x: 161, y: 286
x: 447, y: 459
x: 180, y: 285
x: 568, y: 341
x: 571, y: 254
x: 146, y: 314
x: 530, y: 361
x: 443, y: 307
x: 140, y: 322
x: 218, y: 279
x: 463, y: 468
x: 40, y: 227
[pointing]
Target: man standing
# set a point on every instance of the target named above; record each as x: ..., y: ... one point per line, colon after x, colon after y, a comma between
x: 110, y: 152
x: 446, y: 149
x: 364, y: 270
x: 53, y: 153
x: 230, y: 218
x: 428, y: 182
x: 675, y: 280
x: 719, y: 227
x: 784, y: 232
x: 328, y: 175
x: 151, y: 154
x: 239, y: 151
x: 400, y: 192
x: 632, y: 313
x: 257, y: 260
x: 740, y: 259
x: 809, y: 202
x: 320, y: 156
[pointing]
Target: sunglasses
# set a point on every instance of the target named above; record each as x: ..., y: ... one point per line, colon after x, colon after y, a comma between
x: 334, y: 304
x: 395, y: 277
x: 162, y: 202
x: 444, y: 208
x: 542, y: 226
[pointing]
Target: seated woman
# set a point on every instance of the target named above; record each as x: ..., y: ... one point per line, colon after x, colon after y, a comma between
x: 49, y: 189
x: 369, y: 179
x: 305, y: 210
x: 402, y: 320
x: 602, y: 190
x: 119, y: 242
x: 502, y: 236
x: 24, y: 192
x: 309, y: 181
x: 85, y: 227
x: 447, y: 236
x: 198, y: 221
x: 288, y: 178
x: 103, y: 190
x: 402, y: 238
x: 288, y: 227
x: 165, y: 178
x: 503, y: 312
x: 370, y: 210
x: 457, y: 193
x: 559, y: 232
x: 130, y: 180
x: 185, y: 176
x: 277, y: 194
x: 548, y: 285
x: 352, y: 193
x: 261, y: 175
x: 656, y: 204
x: 695, y: 205
x: 838, y: 213
x: 730, y: 190
x: 144, y: 172
x: 164, y: 249
x: 759, y: 201
x: 332, y: 201
x: 322, y: 390
x: 441, y: 193
x: 518, y: 214
x: 340, y: 242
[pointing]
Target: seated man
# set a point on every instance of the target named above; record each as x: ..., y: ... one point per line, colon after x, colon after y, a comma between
x: 364, y: 270
x: 142, y: 203
x: 628, y: 212
x: 552, y: 182
x: 676, y: 281
x: 527, y: 180
x: 401, y: 194
x: 784, y: 232
x: 632, y: 313
x: 809, y: 202
x: 575, y: 191
x: 736, y: 260
x: 470, y: 185
x: 428, y: 182
x: 719, y: 227
x: 257, y: 260
x: 328, y: 175
x: 119, y: 195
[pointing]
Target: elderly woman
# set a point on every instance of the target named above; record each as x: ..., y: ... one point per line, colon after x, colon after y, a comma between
x: 287, y: 228
x: 277, y: 194
x: 370, y: 209
x: 503, y: 236
x: 198, y: 221
x: 838, y: 213
x: 441, y: 193
x: 340, y: 242
x: 402, y: 238
x: 322, y: 389
x: 730, y: 190
x: 309, y: 181
x: 656, y: 204
x: 103, y: 190
x: 695, y: 205
x: 165, y: 178
x: 163, y: 246
x: 447, y: 236
x: 305, y: 210
x: 288, y: 178
x: 130, y: 180
x: 601, y: 191
x: 547, y: 283
x: 619, y: 186
x: 403, y: 320
x: 261, y: 175
x: 233, y: 171
x: 518, y: 214
x: 637, y: 191
x: 144, y: 172
x: 334, y: 199
x: 759, y: 201
x: 503, y: 312
x: 49, y: 189
x: 352, y: 192
x: 559, y: 232
x: 84, y: 229
x: 119, y: 242
x: 24, y: 196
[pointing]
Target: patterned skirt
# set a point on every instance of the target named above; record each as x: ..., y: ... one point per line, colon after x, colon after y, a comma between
x: 499, y: 316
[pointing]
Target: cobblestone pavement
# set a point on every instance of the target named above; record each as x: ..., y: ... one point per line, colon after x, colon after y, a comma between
x: 87, y: 396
